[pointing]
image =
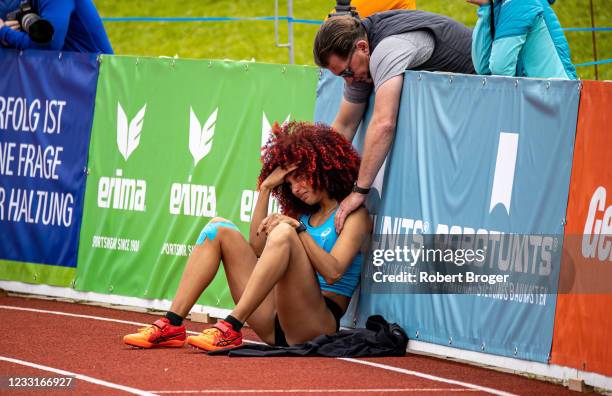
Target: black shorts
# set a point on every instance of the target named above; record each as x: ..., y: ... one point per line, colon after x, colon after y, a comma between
x: 279, y: 334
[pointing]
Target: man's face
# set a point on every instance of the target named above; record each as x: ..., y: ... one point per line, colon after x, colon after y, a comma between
x: 356, y: 66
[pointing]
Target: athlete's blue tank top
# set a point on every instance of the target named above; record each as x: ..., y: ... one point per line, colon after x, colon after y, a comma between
x: 325, y: 236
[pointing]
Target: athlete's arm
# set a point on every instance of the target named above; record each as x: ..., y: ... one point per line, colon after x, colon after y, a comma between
x: 257, y: 240
x: 333, y: 265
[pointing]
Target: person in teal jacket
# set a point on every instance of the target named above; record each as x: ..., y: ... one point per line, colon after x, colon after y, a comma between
x: 524, y: 40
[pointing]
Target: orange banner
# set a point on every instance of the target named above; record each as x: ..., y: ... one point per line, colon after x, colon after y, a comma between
x: 583, y: 319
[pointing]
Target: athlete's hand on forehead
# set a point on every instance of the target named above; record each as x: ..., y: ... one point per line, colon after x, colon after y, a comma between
x: 278, y: 175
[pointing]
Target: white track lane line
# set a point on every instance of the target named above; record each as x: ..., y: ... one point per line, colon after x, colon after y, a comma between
x: 378, y: 365
x: 319, y: 391
x: 82, y: 316
x: 429, y: 377
x: 77, y: 376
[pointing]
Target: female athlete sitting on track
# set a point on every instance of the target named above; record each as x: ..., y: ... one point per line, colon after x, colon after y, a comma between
x: 295, y: 276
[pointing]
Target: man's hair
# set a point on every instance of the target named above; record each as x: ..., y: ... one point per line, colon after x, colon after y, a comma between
x: 337, y: 36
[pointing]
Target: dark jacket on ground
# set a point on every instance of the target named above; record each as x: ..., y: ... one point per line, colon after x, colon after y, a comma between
x: 379, y: 338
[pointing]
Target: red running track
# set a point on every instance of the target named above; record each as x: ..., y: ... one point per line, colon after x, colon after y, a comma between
x: 34, y: 333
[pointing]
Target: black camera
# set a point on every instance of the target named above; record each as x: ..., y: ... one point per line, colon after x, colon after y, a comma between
x: 39, y: 30
x: 344, y: 7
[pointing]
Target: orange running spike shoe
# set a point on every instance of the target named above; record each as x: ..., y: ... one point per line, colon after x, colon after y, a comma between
x: 160, y: 334
x: 222, y: 335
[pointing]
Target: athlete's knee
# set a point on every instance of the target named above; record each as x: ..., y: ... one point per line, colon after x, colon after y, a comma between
x: 219, y: 220
x: 281, y: 234
x: 215, y: 227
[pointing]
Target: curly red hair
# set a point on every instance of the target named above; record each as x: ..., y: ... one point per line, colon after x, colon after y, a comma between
x: 325, y: 159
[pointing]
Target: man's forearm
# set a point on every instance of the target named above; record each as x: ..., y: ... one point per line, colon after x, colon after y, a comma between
x: 379, y: 138
x: 347, y: 132
x: 348, y: 118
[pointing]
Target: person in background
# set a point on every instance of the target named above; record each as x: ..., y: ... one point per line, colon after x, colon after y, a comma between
x: 372, y: 55
x: 76, y: 26
x: 520, y: 38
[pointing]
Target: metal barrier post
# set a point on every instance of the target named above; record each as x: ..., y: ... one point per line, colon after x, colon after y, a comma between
x: 289, y: 44
x: 290, y: 31
x: 594, y: 41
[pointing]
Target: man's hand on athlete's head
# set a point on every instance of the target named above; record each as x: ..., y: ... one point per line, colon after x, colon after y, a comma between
x: 351, y: 203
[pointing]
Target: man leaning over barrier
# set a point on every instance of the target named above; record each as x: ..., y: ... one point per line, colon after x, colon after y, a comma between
x: 372, y: 54
x: 61, y: 25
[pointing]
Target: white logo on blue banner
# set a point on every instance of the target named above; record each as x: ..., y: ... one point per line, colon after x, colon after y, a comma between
x: 504, y: 170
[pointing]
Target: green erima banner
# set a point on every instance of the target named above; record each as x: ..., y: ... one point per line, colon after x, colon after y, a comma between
x: 175, y: 143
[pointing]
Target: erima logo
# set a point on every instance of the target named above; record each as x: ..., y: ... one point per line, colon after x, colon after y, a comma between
x: 193, y: 200
x: 128, y: 137
x: 248, y: 202
x: 196, y: 199
x: 118, y: 192
x: 266, y: 128
x: 201, y: 138
x: 503, y: 181
x: 596, y: 241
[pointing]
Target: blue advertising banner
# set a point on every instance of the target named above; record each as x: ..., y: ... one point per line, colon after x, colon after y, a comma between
x: 46, y: 111
x: 483, y: 159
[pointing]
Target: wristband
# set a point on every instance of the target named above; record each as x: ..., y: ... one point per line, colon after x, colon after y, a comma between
x: 301, y: 228
x: 360, y: 190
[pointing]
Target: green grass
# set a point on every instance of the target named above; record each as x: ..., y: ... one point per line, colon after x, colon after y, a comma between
x: 255, y: 39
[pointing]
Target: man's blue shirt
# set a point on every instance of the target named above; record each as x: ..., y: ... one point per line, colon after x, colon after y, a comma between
x: 77, y: 26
